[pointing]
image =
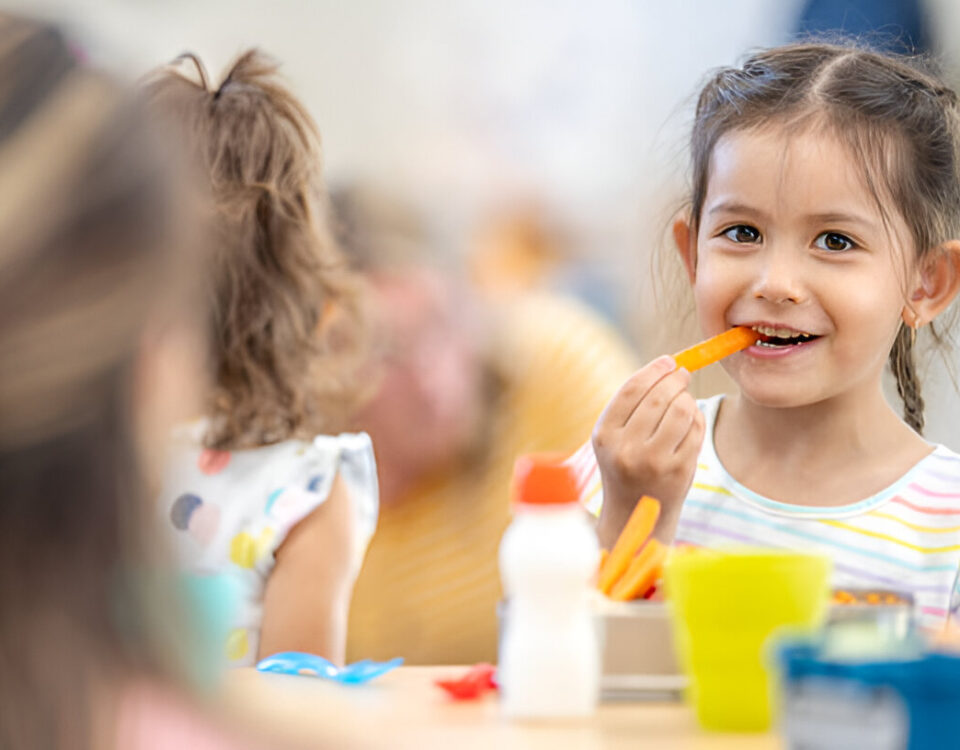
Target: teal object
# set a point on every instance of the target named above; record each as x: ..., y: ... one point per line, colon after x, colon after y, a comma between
x: 300, y: 663
x: 211, y: 602
x: 186, y: 617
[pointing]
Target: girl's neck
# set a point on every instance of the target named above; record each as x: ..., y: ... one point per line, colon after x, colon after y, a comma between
x: 834, y: 452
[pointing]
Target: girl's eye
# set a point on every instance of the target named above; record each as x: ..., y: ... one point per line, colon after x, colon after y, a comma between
x: 834, y: 242
x: 742, y: 233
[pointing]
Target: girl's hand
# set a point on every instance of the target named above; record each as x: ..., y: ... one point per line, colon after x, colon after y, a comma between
x: 646, y: 442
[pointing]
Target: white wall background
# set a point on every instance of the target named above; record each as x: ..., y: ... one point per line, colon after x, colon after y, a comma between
x: 465, y: 105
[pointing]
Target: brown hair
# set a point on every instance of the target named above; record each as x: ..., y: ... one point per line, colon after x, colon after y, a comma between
x: 90, y: 222
x: 284, y: 308
x: 896, y: 116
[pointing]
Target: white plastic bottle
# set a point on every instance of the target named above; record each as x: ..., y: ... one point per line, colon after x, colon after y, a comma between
x: 549, y: 652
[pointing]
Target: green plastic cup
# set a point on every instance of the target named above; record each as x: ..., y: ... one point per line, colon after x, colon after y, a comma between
x: 725, y: 605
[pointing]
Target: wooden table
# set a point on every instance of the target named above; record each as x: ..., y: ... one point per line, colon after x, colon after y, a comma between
x: 404, y: 709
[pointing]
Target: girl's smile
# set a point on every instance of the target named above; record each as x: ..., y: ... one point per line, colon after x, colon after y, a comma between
x: 791, y: 242
x: 780, y: 340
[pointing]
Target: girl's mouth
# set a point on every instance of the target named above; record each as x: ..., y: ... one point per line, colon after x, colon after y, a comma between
x: 780, y: 339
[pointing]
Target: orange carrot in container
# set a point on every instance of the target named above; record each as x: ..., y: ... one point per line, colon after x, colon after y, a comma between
x: 716, y: 348
x: 643, y: 573
x: 635, y: 533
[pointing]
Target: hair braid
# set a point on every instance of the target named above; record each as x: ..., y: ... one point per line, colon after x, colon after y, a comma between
x: 908, y: 384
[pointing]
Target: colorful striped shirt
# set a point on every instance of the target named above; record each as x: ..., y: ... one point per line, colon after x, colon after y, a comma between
x: 905, y: 537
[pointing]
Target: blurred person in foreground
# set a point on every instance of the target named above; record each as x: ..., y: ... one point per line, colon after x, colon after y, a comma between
x: 462, y: 389
x: 95, y: 358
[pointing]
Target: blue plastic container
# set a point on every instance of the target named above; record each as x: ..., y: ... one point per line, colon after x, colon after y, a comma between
x: 829, y: 702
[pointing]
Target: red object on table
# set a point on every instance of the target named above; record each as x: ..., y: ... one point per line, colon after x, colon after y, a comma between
x: 471, y: 685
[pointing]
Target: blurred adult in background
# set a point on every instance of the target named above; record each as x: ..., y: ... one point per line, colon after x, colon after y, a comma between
x: 521, y: 248
x: 461, y: 388
x: 514, y: 251
x: 95, y: 358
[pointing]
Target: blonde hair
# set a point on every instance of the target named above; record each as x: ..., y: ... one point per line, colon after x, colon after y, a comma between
x: 286, y: 329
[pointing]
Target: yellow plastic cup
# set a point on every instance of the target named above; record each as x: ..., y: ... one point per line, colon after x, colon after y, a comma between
x: 725, y: 605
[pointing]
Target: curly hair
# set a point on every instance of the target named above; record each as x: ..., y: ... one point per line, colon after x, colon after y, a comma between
x: 284, y: 308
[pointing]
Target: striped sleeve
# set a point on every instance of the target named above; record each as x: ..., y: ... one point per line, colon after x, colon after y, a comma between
x: 585, y: 468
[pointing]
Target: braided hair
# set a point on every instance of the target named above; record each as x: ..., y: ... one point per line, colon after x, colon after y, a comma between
x: 899, y: 120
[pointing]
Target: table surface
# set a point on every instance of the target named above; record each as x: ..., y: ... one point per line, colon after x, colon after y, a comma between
x: 404, y: 709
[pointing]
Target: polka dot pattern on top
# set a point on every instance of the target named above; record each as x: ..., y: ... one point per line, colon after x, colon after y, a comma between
x: 229, y: 511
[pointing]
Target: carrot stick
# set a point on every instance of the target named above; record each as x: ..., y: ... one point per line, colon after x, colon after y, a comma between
x: 716, y: 348
x: 637, y: 530
x: 643, y: 572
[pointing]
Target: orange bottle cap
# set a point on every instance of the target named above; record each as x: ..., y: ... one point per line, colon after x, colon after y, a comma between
x: 544, y: 480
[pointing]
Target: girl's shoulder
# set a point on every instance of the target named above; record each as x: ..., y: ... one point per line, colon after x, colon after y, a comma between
x: 940, y: 469
x: 347, y: 452
x: 212, y: 496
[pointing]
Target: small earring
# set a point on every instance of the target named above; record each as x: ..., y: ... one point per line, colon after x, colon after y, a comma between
x: 913, y: 331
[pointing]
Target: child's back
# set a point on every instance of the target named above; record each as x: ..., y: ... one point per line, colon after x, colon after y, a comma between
x: 236, y: 510
x: 262, y: 485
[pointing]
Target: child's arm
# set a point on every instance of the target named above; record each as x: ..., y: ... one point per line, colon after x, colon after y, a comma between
x: 308, y: 593
x: 646, y: 442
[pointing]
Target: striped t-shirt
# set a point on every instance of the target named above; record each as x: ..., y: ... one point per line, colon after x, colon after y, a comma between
x: 905, y: 537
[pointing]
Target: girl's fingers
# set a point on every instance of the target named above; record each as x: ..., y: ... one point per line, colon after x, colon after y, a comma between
x: 646, y: 418
x: 675, y: 424
x: 635, y: 390
x: 689, y: 446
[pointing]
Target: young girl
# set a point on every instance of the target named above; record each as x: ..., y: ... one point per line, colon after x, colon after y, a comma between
x: 824, y: 214
x: 262, y: 485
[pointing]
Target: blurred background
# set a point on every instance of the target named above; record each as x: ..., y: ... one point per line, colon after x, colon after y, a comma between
x: 559, y: 126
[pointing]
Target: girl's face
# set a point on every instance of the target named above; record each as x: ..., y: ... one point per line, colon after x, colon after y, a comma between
x: 791, y: 242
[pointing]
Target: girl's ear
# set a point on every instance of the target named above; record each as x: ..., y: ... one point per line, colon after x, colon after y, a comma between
x: 938, y: 284
x: 686, y: 243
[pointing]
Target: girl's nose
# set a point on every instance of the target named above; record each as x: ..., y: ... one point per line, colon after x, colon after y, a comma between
x: 779, y: 278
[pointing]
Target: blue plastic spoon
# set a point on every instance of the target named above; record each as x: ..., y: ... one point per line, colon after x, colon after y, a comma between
x: 366, y: 670
x: 311, y: 665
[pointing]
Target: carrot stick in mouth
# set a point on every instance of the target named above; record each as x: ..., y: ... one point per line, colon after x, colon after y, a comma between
x: 716, y: 348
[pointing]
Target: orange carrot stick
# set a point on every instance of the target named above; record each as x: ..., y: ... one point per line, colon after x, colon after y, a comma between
x: 643, y: 572
x: 716, y: 348
x: 637, y: 530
